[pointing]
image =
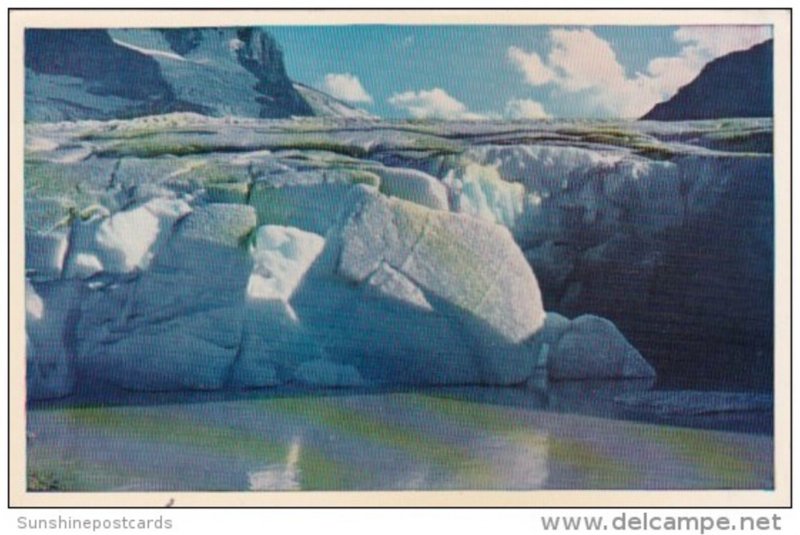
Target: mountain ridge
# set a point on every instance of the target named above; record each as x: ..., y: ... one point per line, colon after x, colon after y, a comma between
x: 126, y: 73
x: 738, y: 84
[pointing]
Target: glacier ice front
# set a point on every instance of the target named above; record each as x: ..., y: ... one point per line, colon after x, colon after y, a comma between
x: 588, y: 347
x: 274, y: 340
x: 191, y: 252
x: 408, y: 294
x: 178, y: 324
x: 49, y: 318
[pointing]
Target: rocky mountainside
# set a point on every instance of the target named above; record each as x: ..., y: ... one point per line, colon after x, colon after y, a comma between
x: 324, y: 105
x: 735, y: 85
x: 112, y: 74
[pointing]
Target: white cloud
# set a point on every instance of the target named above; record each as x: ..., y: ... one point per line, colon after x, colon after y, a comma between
x: 525, y: 109
x: 582, y: 59
x: 432, y: 104
x: 581, y: 62
x: 346, y: 87
x: 667, y: 74
x: 721, y: 40
x: 535, y: 72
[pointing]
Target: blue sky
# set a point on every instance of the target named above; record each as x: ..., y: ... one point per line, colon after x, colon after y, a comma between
x: 454, y: 72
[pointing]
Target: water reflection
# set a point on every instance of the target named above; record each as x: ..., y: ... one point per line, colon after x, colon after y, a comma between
x: 279, y: 476
x: 455, y: 438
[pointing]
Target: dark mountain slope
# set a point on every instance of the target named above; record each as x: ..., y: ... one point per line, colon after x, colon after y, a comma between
x: 99, y: 74
x: 735, y: 85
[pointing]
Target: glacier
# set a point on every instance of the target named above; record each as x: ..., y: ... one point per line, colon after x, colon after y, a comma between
x: 183, y: 252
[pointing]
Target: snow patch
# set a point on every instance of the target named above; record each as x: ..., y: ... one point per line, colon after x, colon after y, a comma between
x: 150, y: 51
x: 414, y: 186
x: 125, y: 241
x: 85, y: 265
x: 281, y: 256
